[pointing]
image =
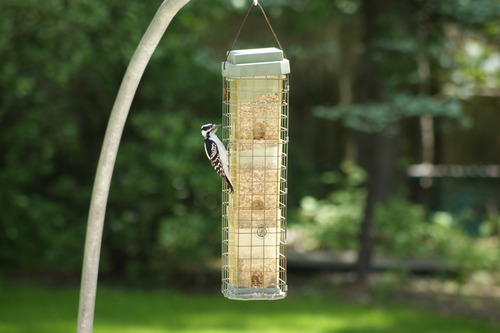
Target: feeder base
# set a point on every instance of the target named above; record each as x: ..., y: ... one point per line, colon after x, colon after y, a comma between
x: 254, y: 294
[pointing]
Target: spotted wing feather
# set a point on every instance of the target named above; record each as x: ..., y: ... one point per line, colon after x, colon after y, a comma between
x: 212, y: 152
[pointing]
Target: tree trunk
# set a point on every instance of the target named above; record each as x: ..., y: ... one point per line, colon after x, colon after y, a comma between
x: 424, y: 76
x: 379, y: 159
x: 365, y: 253
x: 368, y: 91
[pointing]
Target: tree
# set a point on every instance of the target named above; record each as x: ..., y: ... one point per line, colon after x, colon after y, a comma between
x: 61, y: 65
x: 399, y: 76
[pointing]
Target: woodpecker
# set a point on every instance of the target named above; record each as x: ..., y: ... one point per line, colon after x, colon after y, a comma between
x: 216, y: 152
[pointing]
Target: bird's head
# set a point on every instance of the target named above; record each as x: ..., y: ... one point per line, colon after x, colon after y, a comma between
x: 208, y: 129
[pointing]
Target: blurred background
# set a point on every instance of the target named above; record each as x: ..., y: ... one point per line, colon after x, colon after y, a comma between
x: 394, y: 124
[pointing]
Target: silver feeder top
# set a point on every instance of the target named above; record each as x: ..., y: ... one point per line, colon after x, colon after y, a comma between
x: 255, y: 62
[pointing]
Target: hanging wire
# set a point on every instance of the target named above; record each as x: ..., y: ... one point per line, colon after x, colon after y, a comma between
x: 270, y: 26
x: 255, y: 3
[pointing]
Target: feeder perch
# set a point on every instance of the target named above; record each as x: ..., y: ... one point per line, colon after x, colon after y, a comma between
x: 255, y: 119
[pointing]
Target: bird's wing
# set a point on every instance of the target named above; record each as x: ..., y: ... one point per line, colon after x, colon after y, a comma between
x: 213, y: 155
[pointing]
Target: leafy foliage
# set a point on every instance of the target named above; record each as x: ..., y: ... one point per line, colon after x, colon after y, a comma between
x: 336, y: 218
x: 380, y: 117
x: 61, y: 63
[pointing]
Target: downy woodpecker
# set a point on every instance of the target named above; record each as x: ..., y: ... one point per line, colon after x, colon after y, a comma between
x: 216, y: 152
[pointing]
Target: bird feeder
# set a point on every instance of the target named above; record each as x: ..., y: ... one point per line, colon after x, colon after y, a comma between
x: 255, y: 131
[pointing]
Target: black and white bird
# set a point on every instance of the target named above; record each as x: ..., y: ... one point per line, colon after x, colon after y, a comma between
x: 216, y: 152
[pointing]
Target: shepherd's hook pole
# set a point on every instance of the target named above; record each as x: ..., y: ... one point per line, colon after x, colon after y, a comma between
x: 102, y: 181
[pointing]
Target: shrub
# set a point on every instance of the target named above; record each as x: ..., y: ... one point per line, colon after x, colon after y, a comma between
x: 402, y: 229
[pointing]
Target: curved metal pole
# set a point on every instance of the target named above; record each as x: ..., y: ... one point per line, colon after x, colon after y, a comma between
x: 102, y: 181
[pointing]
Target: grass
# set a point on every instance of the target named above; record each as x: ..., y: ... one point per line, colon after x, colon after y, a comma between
x: 41, y: 310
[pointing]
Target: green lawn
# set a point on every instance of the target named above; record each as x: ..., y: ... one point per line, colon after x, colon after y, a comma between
x: 37, y: 310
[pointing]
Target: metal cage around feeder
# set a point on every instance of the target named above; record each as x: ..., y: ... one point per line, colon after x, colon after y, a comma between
x: 255, y: 119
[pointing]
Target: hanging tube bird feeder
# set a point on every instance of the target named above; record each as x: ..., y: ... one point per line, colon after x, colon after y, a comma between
x: 255, y: 119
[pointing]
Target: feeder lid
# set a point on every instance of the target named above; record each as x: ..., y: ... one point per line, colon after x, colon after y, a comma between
x: 255, y: 62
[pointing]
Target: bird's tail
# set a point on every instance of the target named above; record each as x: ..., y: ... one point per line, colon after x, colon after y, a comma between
x: 230, y: 184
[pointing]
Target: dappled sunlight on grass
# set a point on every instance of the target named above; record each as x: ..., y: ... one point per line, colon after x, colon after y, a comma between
x: 46, y: 310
